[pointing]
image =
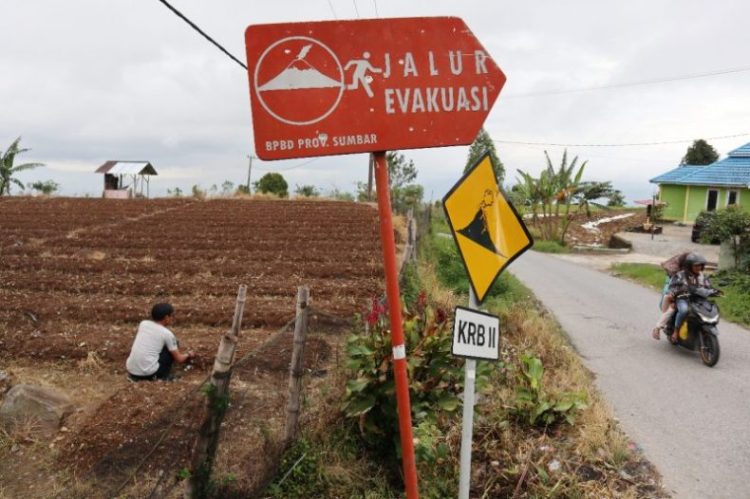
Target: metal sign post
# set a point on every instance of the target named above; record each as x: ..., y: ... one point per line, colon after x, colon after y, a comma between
x: 489, y: 235
x: 397, y: 333
x: 467, y: 430
x: 370, y: 85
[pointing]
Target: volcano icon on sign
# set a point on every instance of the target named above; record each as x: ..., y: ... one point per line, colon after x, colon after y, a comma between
x: 300, y: 74
x: 299, y: 80
x: 478, y: 229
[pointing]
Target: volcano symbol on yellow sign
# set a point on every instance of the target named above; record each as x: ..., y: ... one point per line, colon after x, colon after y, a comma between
x: 488, y: 231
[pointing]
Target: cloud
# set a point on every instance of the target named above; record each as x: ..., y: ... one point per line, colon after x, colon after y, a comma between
x: 94, y: 81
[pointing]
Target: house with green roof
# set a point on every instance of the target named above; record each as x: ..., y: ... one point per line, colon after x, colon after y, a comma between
x: 689, y: 189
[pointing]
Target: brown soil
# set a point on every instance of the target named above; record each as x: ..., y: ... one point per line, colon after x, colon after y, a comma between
x: 77, y: 276
x: 578, y: 235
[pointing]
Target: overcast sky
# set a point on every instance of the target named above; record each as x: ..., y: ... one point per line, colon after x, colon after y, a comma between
x: 85, y: 81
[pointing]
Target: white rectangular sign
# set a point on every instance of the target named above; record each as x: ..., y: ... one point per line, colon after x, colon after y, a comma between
x: 476, y: 334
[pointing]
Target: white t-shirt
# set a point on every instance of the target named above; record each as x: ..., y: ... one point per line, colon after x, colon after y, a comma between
x: 149, y: 341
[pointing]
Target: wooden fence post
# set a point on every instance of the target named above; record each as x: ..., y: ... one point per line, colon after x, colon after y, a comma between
x: 296, y: 366
x: 217, y: 398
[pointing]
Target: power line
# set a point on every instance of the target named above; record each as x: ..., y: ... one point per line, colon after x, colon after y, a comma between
x: 291, y: 167
x: 196, y: 28
x: 631, y: 144
x: 355, y: 8
x: 692, y: 76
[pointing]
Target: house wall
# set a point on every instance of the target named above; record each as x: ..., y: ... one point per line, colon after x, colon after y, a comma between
x: 697, y: 202
x: 674, y: 196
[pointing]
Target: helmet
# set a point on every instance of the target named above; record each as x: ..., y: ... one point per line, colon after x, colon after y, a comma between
x: 694, y: 259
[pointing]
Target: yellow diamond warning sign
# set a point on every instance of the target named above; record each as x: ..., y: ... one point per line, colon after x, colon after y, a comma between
x: 488, y: 231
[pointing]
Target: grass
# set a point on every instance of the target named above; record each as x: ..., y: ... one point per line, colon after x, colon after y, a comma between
x: 647, y: 274
x: 590, y: 458
x: 549, y: 247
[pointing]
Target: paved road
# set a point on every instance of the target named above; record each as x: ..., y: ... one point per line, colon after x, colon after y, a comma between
x: 692, y: 421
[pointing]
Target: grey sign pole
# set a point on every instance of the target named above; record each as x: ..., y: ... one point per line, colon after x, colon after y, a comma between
x: 468, y: 416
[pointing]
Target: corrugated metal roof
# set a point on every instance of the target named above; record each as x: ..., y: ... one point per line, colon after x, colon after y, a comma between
x: 732, y: 171
x: 127, y: 168
x: 741, y: 152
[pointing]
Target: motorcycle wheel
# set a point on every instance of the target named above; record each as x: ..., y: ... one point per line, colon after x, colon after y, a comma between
x: 710, y: 350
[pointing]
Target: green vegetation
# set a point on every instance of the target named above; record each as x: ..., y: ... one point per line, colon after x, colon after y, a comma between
x: 554, y: 189
x: 46, y: 187
x: 272, y: 183
x: 534, y: 406
x: 308, y: 191
x: 482, y: 144
x: 700, y: 153
x: 731, y: 225
x: 550, y: 247
x: 8, y: 170
x: 537, y: 423
x: 649, y: 274
x: 735, y: 304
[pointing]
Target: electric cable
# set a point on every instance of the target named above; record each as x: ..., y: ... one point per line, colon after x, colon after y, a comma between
x: 630, y: 144
x: 692, y: 76
x: 203, y: 33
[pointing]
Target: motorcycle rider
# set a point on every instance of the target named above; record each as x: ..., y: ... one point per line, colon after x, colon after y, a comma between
x: 684, y: 282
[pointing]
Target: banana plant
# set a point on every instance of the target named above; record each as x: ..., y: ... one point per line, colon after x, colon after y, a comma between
x: 8, y: 170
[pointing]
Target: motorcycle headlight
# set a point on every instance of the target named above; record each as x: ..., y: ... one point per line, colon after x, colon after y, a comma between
x: 709, y: 320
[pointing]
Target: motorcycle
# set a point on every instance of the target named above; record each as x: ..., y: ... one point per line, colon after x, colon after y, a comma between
x: 699, y: 331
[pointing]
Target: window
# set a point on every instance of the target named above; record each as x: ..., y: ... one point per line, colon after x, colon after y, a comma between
x: 713, y: 199
x: 732, y: 198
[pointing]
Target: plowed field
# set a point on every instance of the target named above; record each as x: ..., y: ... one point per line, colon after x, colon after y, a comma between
x: 78, y: 275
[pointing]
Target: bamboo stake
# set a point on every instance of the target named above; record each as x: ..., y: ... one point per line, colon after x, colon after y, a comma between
x: 296, y: 366
x: 217, y: 397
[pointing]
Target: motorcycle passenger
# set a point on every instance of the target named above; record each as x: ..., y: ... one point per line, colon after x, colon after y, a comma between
x: 687, y: 280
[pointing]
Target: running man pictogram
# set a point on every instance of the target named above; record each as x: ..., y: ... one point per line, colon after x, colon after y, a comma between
x: 361, y: 66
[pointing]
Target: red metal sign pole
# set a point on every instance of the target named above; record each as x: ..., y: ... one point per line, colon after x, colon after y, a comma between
x: 397, y: 334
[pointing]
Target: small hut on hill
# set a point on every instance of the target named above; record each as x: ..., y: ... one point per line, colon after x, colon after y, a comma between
x: 126, y: 179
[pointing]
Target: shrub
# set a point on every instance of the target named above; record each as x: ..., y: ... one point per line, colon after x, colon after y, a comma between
x: 731, y: 225
x: 436, y: 378
x: 534, y: 406
x: 273, y: 183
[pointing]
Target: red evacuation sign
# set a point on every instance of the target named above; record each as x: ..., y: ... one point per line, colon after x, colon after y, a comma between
x: 340, y: 87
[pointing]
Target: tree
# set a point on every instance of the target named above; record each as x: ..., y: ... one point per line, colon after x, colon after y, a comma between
x: 588, y: 192
x: 308, y: 191
x: 340, y: 195
x: 176, y: 192
x: 227, y: 187
x: 484, y: 143
x: 198, y: 193
x: 551, y: 191
x: 272, y: 183
x: 700, y: 153
x: 8, y: 170
x: 46, y: 187
x: 401, y: 174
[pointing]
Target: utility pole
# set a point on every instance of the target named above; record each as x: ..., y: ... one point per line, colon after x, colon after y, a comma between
x: 250, y: 159
x: 370, y: 167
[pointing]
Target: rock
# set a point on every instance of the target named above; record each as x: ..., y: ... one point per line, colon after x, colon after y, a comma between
x: 43, y: 406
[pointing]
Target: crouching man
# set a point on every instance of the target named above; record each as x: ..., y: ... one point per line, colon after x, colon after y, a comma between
x: 155, y: 347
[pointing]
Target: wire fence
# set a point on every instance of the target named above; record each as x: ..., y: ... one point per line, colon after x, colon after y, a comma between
x: 320, y: 318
